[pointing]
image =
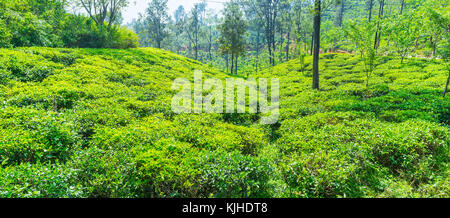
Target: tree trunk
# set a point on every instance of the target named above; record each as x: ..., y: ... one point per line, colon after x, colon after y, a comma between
x: 270, y: 35
x: 287, y: 46
x: 433, y: 43
x: 281, y: 46
x: 312, y: 44
x: 270, y: 53
x: 269, y: 43
x: 237, y: 58
x: 370, y: 10
x: 305, y: 44
x: 416, y: 44
x: 274, y: 18
x: 210, y: 43
x: 232, y: 63
x: 403, y: 5
x: 341, y: 14
x: 274, y: 47
x: 434, y: 49
x: 196, y: 42
x: 226, y: 61
x: 378, y: 34
x: 257, y: 49
x: 317, y: 12
x: 446, y: 85
x: 196, y: 51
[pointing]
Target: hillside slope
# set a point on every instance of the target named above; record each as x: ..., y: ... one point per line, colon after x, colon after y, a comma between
x: 388, y: 140
x: 98, y: 123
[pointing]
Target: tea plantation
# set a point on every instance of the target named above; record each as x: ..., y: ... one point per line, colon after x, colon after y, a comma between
x: 99, y: 123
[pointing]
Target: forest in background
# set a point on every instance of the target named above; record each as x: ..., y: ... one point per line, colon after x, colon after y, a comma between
x: 270, y: 32
x: 248, y: 35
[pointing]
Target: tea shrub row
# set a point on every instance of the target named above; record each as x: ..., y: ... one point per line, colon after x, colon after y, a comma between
x: 98, y: 123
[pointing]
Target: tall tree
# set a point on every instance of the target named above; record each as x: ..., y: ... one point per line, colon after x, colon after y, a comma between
x: 139, y: 26
x: 267, y: 11
x: 211, y: 32
x: 232, y: 31
x: 299, y: 25
x: 157, y: 20
x: 402, y: 6
x: 256, y: 32
x: 317, y: 21
x: 285, y: 27
x: 380, y: 17
x: 101, y: 11
x: 193, y: 28
x: 370, y: 10
x: 362, y: 36
x: 180, y: 19
x: 403, y: 30
x: 340, y: 13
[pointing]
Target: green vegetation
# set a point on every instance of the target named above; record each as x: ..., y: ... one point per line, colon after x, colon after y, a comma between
x: 98, y: 123
x: 84, y: 113
x: 278, y: 29
x: 46, y: 23
x: 347, y: 140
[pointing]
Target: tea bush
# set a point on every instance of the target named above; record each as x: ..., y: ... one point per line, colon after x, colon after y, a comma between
x: 348, y: 140
x: 34, y: 136
x: 38, y: 181
x: 99, y: 123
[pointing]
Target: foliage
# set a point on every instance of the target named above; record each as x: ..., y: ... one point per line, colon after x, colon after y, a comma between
x: 403, y: 31
x: 93, y: 122
x: 98, y: 123
x: 350, y: 140
x: 156, y: 21
x: 35, y: 23
x: 102, y: 11
x: 362, y: 34
x: 5, y: 35
x: 232, y: 30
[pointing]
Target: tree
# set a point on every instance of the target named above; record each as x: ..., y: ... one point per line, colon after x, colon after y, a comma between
x: 139, y: 26
x: 256, y: 33
x: 285, y: 27
x: 157, y: 20
x: 362, y: 36
x: 317, y: 21
x: 370, y: 10
x: 447, y: 65
x: 403, y: 30
x: 340, y: 13
x: 180, y: 20
x: 267, y: 11
x: 378, y: 32
x: 438, y: 26
x: 403, y: 4
x: 437, y: 23
x: 232, y: 31
x: 211, y: 30
x: 303, y: 25
x: 193, y: 28
x: 101, y: 11
x: 46, y: 23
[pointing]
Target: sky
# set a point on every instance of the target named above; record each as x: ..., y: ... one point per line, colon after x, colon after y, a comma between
x: 139, y: 6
